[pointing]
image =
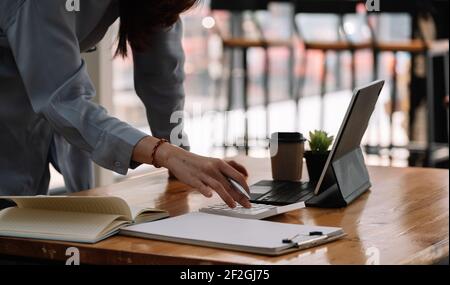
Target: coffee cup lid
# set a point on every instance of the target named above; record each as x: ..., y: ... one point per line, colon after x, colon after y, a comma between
x: 288, y: 137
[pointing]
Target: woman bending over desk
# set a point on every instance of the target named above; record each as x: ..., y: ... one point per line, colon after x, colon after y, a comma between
x: 46, y: 112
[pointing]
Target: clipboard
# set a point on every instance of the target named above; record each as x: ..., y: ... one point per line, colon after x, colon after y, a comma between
x: 254, y: 236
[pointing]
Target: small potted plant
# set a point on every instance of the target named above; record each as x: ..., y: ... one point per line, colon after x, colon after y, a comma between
x: 316, y: 158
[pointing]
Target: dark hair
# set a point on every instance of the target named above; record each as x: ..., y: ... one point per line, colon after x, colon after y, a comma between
x: 139, y: 18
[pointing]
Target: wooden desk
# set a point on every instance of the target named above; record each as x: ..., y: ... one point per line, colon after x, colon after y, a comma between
x: 405, y: 216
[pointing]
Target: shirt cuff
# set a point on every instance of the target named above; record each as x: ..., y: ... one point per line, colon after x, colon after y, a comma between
x: 114, y: 150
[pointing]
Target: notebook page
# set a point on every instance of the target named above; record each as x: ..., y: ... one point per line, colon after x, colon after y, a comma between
x: 143, y: 211
x: 112, y: 228
x: 44, y: 224
x: 100, y: 205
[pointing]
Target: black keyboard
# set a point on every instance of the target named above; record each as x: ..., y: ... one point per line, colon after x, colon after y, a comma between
x: 284, y: 192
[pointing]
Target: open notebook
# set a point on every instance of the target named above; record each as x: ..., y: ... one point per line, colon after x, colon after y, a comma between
x: 73, y: 219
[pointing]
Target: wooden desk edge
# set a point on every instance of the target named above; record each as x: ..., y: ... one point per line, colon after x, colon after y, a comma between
x: 55, y: 251
x: 92, y: 254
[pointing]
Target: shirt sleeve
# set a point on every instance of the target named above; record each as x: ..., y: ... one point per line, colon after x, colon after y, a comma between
x: 159, y: 77
x: 42, y: 37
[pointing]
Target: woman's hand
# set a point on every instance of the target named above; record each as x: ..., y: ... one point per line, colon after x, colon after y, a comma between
x: 206, y: 174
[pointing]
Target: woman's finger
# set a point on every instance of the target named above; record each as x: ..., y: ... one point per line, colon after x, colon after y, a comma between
x: 238, y: 167
x: 237, y: 196
x: 203, y: 188
x: 232, y: 173
x: 218, y: 187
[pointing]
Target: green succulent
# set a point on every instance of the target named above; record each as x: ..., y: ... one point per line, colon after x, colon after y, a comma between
x: 320, y: 142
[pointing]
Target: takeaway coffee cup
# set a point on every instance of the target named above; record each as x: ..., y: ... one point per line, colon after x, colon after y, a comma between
x: 286, y: 151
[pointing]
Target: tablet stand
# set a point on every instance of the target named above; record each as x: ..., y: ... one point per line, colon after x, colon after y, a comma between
x: 349, y: 180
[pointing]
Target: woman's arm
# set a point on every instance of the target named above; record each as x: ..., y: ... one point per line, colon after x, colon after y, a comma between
x: 202, y: 173
x: 159, y: 77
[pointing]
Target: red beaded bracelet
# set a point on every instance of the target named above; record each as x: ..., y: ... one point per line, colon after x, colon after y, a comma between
x: 155, y: 149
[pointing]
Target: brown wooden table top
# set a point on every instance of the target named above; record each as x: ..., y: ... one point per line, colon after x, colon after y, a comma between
x: 403, y: 219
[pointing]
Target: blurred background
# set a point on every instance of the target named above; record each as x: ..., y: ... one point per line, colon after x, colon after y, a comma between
x: 255, y: 67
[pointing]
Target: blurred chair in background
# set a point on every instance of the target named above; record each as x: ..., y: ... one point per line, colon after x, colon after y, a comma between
x: 237, y: 41
x: 437, y: 148
x: 422, y: 47
x: 338, y: 42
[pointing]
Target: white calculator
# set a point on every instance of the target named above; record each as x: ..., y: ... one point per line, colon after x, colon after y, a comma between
x: 257, y: 212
